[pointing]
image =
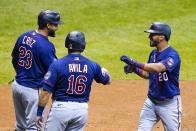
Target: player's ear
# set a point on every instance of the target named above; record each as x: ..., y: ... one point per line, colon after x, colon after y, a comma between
x: 48, y: 26
x: 162, y: 37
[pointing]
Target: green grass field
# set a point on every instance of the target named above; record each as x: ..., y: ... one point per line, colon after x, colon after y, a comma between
x: 112, y: 28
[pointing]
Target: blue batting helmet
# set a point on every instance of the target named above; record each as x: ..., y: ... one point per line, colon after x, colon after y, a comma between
x: 49, y: 17
x: 160, y: 28
x: 75, y: 41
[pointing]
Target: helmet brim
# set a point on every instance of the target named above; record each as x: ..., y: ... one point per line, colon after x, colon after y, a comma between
x: 61, y: 23
x: 153, y: 31
x: 57, y: 23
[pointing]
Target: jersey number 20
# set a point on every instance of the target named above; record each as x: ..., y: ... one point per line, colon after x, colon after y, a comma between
x: 79, y: 87
x: 163, y: 76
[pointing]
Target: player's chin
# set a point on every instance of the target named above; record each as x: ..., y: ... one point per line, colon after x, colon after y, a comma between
x: 51, y: 33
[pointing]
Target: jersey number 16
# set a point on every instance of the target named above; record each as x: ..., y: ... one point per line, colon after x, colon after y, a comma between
x: 79, y: 87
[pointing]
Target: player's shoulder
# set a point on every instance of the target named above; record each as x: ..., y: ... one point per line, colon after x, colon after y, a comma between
x: 60, y: 60
x: 172, y: 55
x: 153, y: 51
x: 25, y: 34
x: 63, y: 60
x: 172, y: 51
x: 90, y: 61
x: 42, y: 43
x: 25, y: 38
x: 56, y: 63
x: 33, y: 34
x: 82, y: 59
x: 94, y: 65
x: 43, y: 40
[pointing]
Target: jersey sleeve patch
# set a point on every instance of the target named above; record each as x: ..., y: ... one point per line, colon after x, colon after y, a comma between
x: 170, y: 61
x: 47, y: 75
x: 50, y: 78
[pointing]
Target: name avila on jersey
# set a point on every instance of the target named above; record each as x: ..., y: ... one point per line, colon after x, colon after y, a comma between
x: 78, y: 68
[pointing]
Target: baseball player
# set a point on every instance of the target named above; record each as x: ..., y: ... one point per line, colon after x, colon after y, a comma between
x: 69, y: 81
x: 162, y: 70
x: 31, y: 57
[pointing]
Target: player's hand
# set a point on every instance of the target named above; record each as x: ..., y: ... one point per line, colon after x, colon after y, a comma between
x: 129, y: 69
x: 39, y: 123
x: 127, y: 60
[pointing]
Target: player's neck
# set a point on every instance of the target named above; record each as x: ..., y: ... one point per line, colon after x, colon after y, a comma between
x: 162, y: 46
x: 74, y: 52
x: 42, y: 31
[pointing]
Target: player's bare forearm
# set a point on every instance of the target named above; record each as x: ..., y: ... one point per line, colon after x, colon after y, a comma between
x: 149, y: 67
x: 145, y: 74
x: 154, y: 67
x: 43, y: 98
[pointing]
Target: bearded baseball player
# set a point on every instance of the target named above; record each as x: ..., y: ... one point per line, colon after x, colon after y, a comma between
x: 162, y: 70
x: 31, y: 57
x: 69, y: 80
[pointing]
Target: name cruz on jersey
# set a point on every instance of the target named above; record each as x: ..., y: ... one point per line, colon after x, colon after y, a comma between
x: 28, y: 40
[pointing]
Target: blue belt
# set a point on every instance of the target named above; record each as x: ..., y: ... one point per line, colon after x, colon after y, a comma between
x: 163, y: 101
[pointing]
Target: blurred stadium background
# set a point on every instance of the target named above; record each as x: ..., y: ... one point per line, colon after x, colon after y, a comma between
x: 112, y: 28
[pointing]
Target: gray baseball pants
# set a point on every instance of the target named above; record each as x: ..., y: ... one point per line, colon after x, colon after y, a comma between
x: 67, y: 116
x: 168, y: 111
x: 25, y: 103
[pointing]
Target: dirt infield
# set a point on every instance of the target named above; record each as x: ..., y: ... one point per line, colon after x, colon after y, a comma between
x: 113, y: 108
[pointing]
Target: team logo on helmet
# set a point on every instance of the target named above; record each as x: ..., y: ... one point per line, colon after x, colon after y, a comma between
x: 47, y: 75
x: 170, y: 61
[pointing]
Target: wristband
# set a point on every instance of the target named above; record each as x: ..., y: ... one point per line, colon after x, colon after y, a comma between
x: 40, y: 110
x: 139, y: 65
x: 138, y: 71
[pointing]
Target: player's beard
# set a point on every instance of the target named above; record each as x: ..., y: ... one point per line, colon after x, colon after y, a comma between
x: 154, y: 43
x: 51, y: 33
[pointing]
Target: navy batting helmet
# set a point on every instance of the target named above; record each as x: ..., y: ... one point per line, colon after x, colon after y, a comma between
x: 48, y: 17
x: 75, y: 41
x: 160, y: 28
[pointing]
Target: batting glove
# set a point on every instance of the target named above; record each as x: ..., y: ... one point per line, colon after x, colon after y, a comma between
x: 127, y: 60
x: 132, y: 62
x: 129, y: 69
